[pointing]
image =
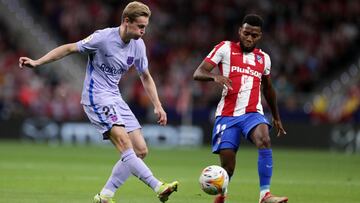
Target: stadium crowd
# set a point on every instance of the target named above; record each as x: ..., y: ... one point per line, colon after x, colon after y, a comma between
x: 32, y: 93
x: 308, y: 41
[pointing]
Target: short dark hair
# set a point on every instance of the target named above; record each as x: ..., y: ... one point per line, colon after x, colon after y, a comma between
x: 253, y: 20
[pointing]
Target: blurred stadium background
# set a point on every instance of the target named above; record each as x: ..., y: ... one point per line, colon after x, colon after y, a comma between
x: 314, y: 47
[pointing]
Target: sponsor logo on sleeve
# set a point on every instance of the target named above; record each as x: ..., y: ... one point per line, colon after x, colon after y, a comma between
x: 86, y: 40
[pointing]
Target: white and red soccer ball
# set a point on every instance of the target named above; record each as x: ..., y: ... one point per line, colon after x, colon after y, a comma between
x: 214, y: 180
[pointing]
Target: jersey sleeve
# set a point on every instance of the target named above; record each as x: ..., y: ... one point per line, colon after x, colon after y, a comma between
x: 141, y: 61
x: 216, y: 55
x: 267, y: 68
x: 90, y: 44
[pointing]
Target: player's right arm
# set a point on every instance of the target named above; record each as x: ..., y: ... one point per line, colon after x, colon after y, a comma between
x: 203, y: 73
x: 51, y: 56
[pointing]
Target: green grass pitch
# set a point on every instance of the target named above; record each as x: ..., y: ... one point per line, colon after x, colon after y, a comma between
x: 37, y: 173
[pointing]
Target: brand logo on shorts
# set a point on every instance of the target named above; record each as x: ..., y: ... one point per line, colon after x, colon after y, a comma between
x: 113, y: 118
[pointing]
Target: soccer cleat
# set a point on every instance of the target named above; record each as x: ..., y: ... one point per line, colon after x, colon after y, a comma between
x: 102, y: 199
x: 220, y: 198
x: 166, y: 189
x: 269, y: 198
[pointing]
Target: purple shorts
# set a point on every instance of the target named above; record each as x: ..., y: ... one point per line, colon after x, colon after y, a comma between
x: 103, y: 117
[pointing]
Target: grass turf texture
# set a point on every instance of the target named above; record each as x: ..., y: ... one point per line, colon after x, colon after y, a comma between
x: 35, y: 173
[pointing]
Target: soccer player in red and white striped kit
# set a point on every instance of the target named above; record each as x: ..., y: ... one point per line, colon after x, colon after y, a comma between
x: 244, y: 75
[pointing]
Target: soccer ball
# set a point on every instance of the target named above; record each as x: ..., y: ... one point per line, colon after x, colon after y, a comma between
x: 214, y: 180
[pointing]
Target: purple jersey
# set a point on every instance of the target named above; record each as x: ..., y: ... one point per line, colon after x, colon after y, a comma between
x: 109, y: 59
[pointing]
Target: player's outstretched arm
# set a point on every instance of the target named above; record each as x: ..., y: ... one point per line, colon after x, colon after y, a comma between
x: 203, y: 73
x: 270, y: 96
x: 51, y: 56
x: 150, y: 88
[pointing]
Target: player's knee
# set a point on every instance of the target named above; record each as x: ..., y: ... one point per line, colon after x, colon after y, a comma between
x: 263, y: 142
x: 142, y: 152
x: 120, y: 138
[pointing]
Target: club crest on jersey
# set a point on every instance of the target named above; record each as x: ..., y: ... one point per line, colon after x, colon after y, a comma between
x: 259, y: 59
x: 130, y: 60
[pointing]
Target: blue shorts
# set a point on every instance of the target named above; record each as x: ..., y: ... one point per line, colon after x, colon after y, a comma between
x: 228, y: 130
x: 103, y: 117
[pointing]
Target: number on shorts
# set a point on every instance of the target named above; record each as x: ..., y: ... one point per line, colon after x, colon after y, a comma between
x: 220, y: 128
x: 107, y: 110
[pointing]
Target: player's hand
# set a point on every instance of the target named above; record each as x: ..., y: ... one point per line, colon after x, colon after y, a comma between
x: 223, y: 81
x: 27, y: 62
x: 278, y: 125
x: 161, y: 115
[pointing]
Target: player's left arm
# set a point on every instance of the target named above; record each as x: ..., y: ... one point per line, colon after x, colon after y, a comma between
x: 270, y: 96
x: 150, y: 88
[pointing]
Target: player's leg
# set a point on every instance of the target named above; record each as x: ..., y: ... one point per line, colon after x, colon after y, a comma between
x: 260, y: 136
x: 102, y: 123
x: 228, y: 162
x: 138, y: 142
x: 120, y: 172
x: 261, y: 140
x: 124, y: 126
x: 119, y: 116
x: 225, y: 142
x: 141, y: 150
x: 121, y: 140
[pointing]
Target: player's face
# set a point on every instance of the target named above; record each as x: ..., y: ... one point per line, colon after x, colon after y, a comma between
x: 136, y: 29
x: 249, y: 36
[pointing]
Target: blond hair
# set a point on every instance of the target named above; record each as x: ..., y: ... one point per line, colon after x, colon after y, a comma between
x: 135, y: 9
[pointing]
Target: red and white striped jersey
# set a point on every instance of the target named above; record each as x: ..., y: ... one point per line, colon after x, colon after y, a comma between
x: 245, y: 70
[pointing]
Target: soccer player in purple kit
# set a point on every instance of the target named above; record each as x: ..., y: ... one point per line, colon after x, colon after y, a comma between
x: 111, y: 52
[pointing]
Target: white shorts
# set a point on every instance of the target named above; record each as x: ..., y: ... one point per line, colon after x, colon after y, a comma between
x: 103, y: 117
